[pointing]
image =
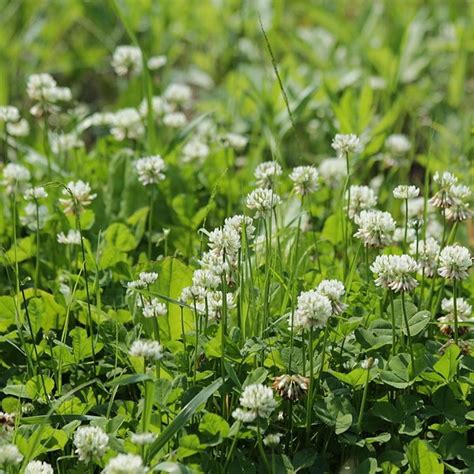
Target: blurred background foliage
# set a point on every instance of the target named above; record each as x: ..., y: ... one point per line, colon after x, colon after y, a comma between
x: 367, y: 67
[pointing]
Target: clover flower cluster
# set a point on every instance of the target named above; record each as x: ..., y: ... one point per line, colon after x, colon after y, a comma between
x: 395, y: 272
x: 263, y: 201
x: 38, y: 467
x: 15, y: 177
x: 464, y: 314
x: 454, y: 262
x: 150, y: 169
x: 267, y: 173
x: 375, y: 228
x: 127, y: 60
x: 428, y: 252
x: 257, y: 401
x: 397, y: 144
x: 146, y: 349
x: 91, y: 443
x: 43, y: 89
x: 78, y: 195
x: 333, y: 171
x: 205, y: 295
x: 125, y: 464
x: 10, y: 455
x: 451, y: 197
x: 305, y: 180
x: 406, y: 192
x: 361, y: 198
x: 345, y: 144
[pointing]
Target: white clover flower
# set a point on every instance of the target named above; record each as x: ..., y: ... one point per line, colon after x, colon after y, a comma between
x: 395, y: 272
x: 38, y: 84
x: 333, y: 290
x: 375, y: 228
x: 175, y: 120
x: 195, y: 150
x: 34, y: 216
x: 78, y: 196
x: 345, y: 144
x: 428, y: 251
x: 127, y: 61
x: 244, y: 416
x: 235, y: 140
x: 57, y: 94
x: 154, y: 308
x: 63, y: 142
x: 205, y: 279
x: 368, y: 363
x: 416, y: 207
x: 399, y: 234
x: 258, y: 399
x: 147, y: 349
x: 362, y: 198
x: 454, y: 262
x: 125, y: 464
x: 267, y: 173
x: 224, y: 241
x: 333, y: 171
x: 14, y: 177
x: 305, y: 179
x: 10, y: 455
x: 91, y: 443
x: 35, y: 193
x: 38, y: 467
x: 158, y: 105
x: 397, y: 144
x: 459, y: 209
x: 406, y: 192
x: 215, y: 306
x: 150, y: 169
x: 141, y: 439
x: 272, y: 440
x: 9, y: 114
x: 215, y: 263
x: 73, y: 237
x: 126, y: 123
x: 238, y: 222
x: 97, y: 119
x: 443, y: 197
x: 144, y: 279
x: 262, y: 200
x: 312, y: 311
x: 464, y: 309
x: 178, y: 93
x: 156, y: 62
x: 19, y: 129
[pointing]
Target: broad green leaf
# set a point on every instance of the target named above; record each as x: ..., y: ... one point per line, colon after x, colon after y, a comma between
x: 448, y: 363
x: 120, y: 237
x: 422, y: 458
x: 396, y: 374
x: 7, y: 312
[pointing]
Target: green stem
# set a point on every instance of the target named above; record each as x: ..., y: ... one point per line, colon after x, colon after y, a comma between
x: 364, y: 399
x: 150, y: 224
x: 232, y: 449
x: 260, y: 447
x: 309, y: 399
x: 406, y: 227
x: 405, y: 317
x: 392, y: 313
x: 455, y: 297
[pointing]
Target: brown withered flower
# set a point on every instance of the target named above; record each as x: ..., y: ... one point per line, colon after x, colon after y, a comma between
x: 291, y: 387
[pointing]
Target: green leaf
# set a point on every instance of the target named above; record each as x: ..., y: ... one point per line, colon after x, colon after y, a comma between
x: 24, y: 250
x: 447, y: 365
x: 397, y: 372
x: 7, y: 312
x: 422, y: 458
x: 257, y: 376
x: 120, y: 237
x: 332, y: 230
x: 182, y: 418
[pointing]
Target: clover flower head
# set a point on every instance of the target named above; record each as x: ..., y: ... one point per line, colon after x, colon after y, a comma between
x: 291, y: 387
x: 262, y: 200
x: 156, y: 62
x: 60, y: 143
x: 154, y: 308
x: 178, y: 93
x: 127, y: 60
x: 10, y: 455
x: 18, y: 129
x: 9, y: 114
x: 238, y: 222
x: 150, y: 169
x: 73, y: 237
x: 91, y: 443
x: 397, y: 144
x: 361, y: 198
x: 333, y: 290
x: 395, y: 272
x: 35, y: 216
x: 305, y: 179
x: 406, y: 192
x: 459, y: 209
x: 333, y: 171
x: 375, y: 228
x: 175, y: 120
x: 78, y: 196
x: 454, y: 262
x: 126, y: 123
x: 142, y: 439
x: 428, y: 251
x: 244, y: 416
x: 38, y: 467
x: 35, y: 193
x: 258, y: 399
x: 272, y: 440
x: 266, y: 173
x: 125, y: 464
x: 346, y: 143
x: 312, y: 311
x: 38, y: 84
x: 147, y: 349
x: 235, y: 140
x: 195, y: 150
x: 15, y: 176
